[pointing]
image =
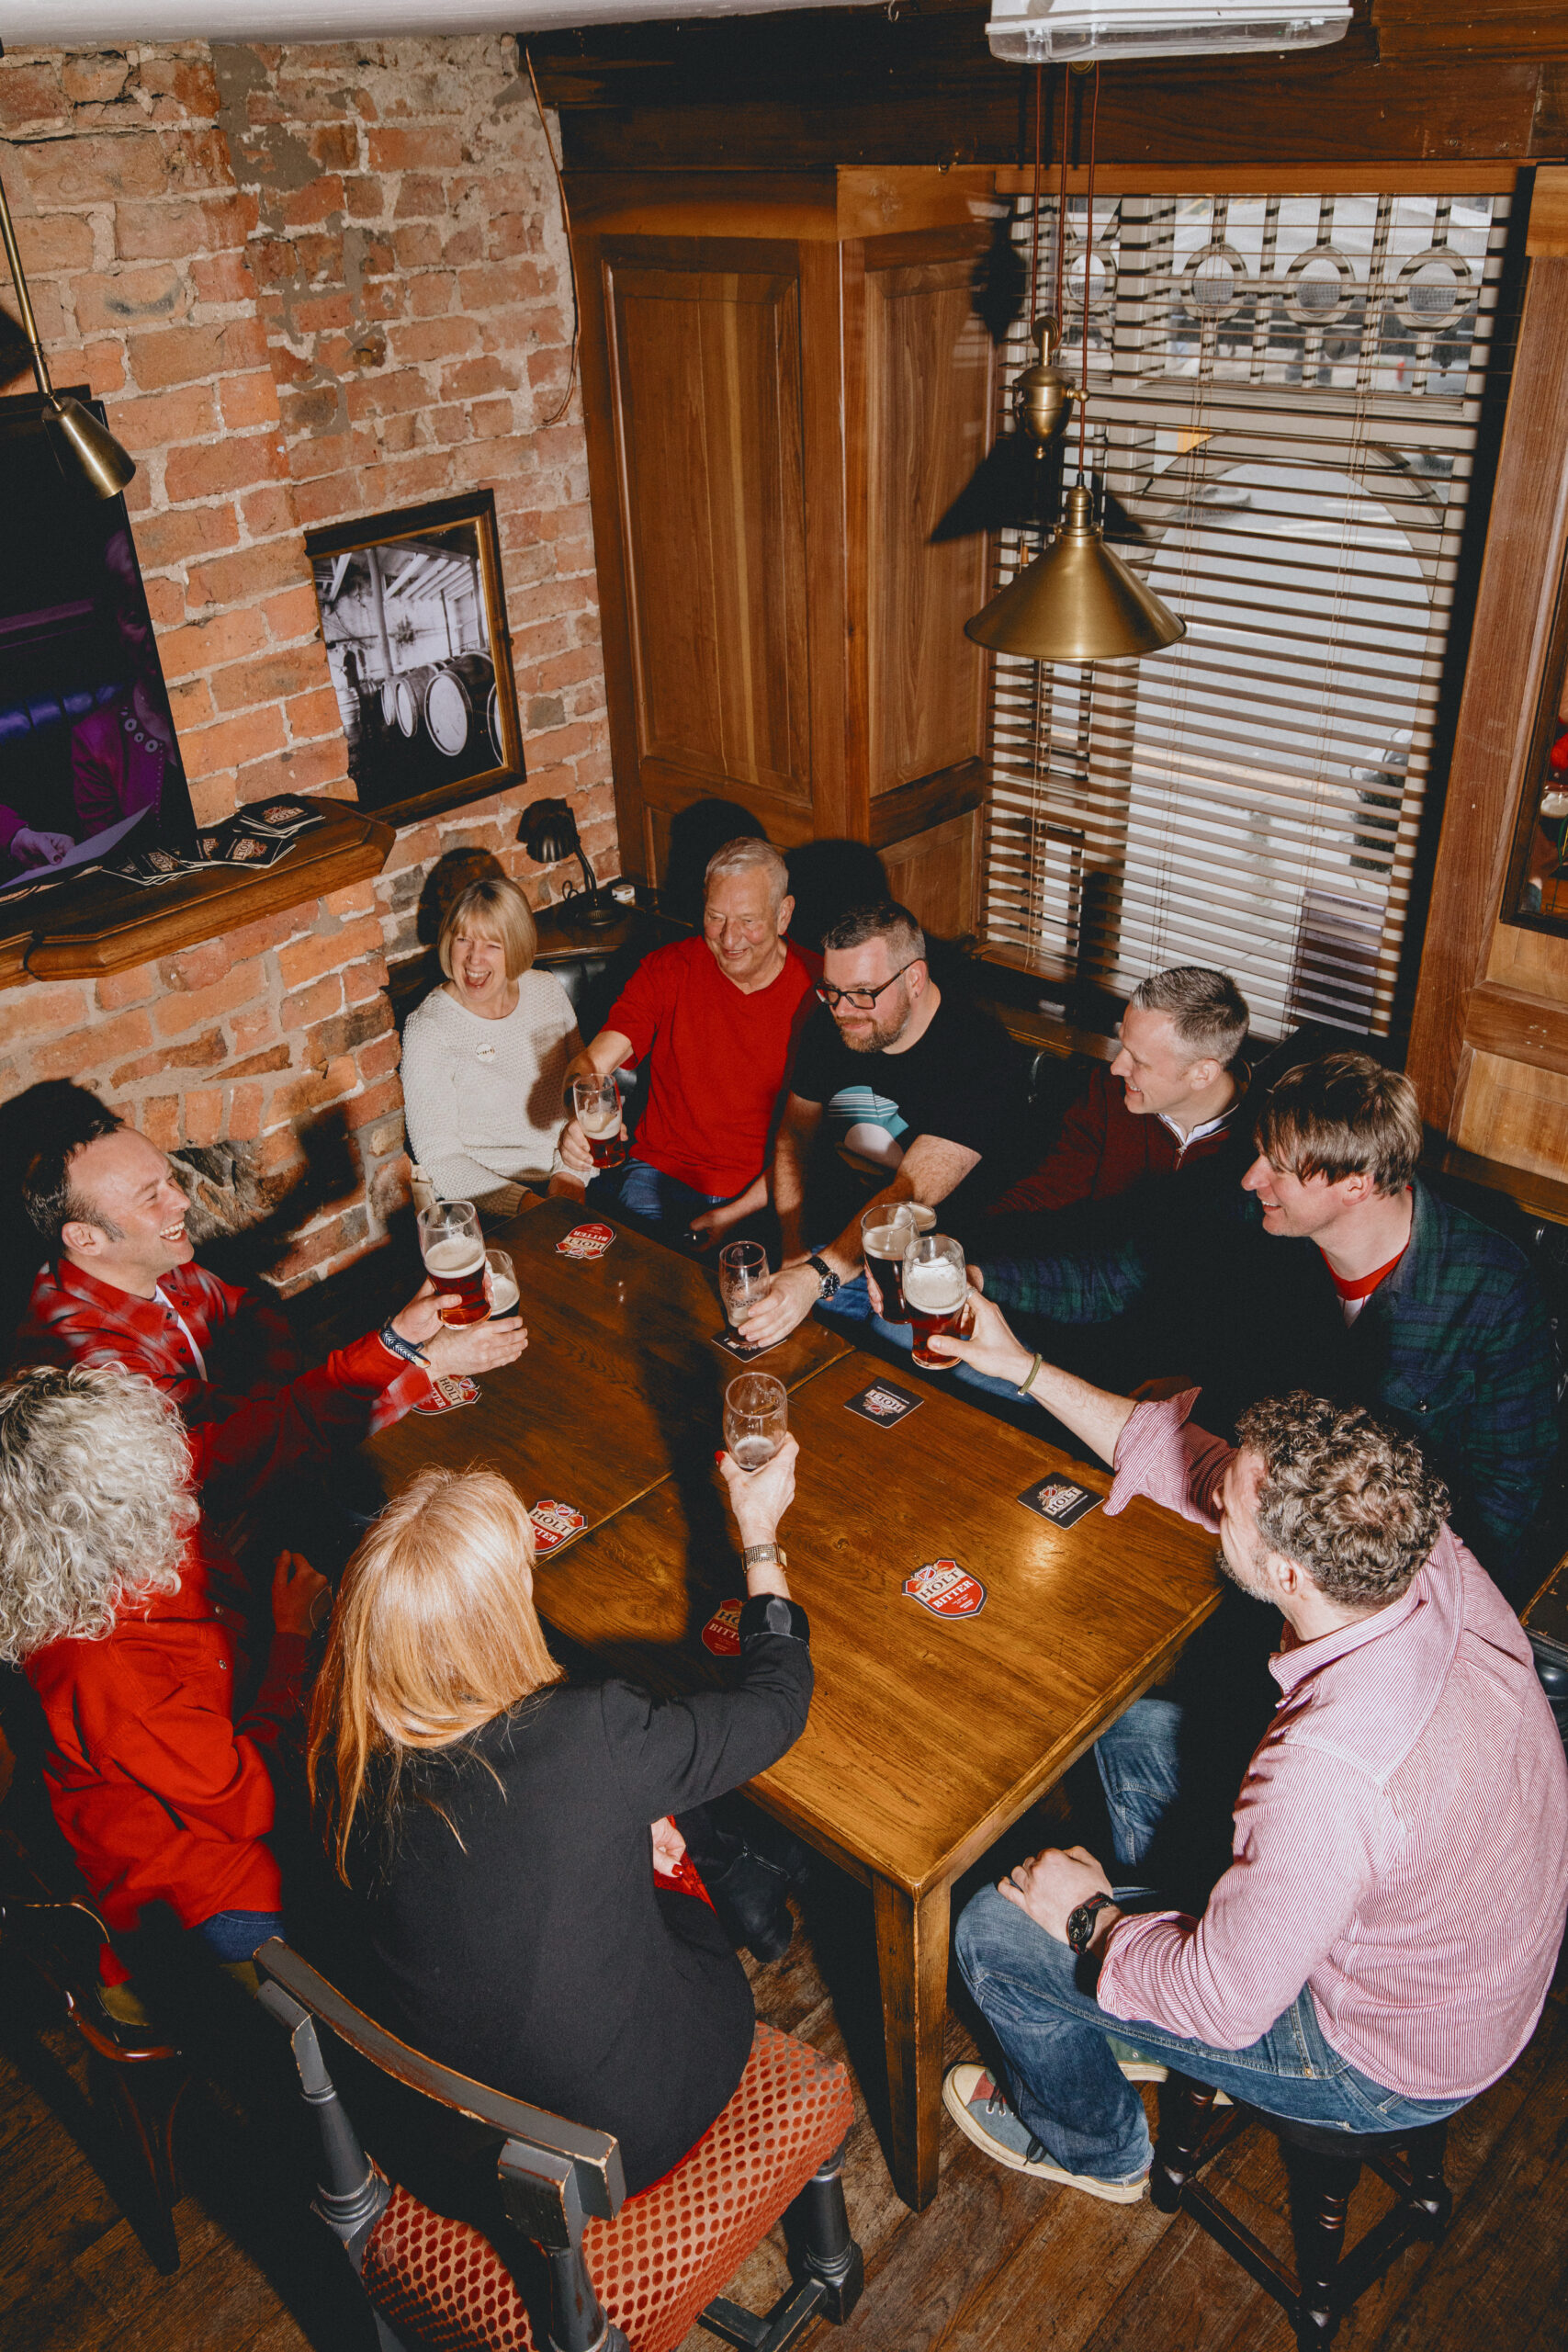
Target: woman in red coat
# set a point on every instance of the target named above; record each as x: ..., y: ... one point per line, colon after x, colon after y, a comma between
x: 125, y: 1617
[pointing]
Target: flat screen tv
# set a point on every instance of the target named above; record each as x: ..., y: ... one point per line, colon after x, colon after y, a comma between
x: 90, y: 768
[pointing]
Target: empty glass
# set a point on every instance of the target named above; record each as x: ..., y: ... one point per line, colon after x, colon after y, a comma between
x: 756, y: 1418
x: 743, y: 1278
x: 504, y: 1296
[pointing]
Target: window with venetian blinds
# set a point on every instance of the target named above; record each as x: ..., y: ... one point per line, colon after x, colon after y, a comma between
x: 1284, y: 397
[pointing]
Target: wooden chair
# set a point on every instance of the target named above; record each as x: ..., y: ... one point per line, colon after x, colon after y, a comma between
x: 625, y: 2275
x: 133, y: 2067
x: 1323, y: 2168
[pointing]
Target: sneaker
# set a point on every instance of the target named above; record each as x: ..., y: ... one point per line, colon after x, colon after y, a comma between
x: 983, y: 2115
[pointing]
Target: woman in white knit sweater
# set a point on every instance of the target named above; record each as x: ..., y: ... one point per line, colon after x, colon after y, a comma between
x: 485, y: 1057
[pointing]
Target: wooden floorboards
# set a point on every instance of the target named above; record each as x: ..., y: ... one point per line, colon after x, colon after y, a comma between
x: 998, y: 2264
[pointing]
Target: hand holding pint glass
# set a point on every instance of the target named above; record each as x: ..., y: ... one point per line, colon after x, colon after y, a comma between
x: 744, y: 1279
x: 756, y: 1418
x: 597, y: 1103
x: 453, y: 1252
x: 936, y: 1294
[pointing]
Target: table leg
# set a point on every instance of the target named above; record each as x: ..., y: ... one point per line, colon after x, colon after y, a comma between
x: 911, y: 1956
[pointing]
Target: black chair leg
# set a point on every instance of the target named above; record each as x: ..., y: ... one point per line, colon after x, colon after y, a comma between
x: 1428, y: 2196
x: 145, y: 2096
x: 1184, y: 2112
x: 827, y: 2254
x: 1320, y: 2194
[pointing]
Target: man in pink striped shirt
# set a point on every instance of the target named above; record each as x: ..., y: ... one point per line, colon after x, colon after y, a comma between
x: 1380, y: 1949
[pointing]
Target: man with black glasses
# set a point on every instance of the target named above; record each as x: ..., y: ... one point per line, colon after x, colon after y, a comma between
x: 897, y: 1092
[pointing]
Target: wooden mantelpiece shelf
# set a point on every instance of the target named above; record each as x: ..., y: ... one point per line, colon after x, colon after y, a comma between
x: 113, y: 925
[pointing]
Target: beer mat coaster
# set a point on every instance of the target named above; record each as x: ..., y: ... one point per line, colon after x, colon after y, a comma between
x: 945, y: 1589
x: 278, y: 819
x: 586, y: 1241
x: 884, y: 1402
x: 734, y: 1345
x: 555, y: 1523
x: 721, y: 1634
x: 451, y: 1390
x: 151, y: 866
x: 1060, y: 1501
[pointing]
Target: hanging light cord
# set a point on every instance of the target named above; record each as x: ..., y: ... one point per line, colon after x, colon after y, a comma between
x: 1038, y: 170
x: 570, y: 255
x: 1088, y: 265
x: 1062, y: 205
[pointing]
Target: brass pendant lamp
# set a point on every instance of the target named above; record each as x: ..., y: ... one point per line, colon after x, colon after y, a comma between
x: 1077, y: 601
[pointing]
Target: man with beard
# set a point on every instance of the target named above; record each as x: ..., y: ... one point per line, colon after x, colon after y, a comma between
x: 912, y: 1086
x: 1379, y: 1950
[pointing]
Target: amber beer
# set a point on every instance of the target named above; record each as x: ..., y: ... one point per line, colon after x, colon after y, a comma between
x: 936, y: 1294
x: 460, y: 1266
x: 598, y: 1104
x: 453, y: 1252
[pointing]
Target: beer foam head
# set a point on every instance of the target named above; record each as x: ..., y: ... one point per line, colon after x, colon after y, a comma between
x: 464, y: 1255
x: 937, y: 1285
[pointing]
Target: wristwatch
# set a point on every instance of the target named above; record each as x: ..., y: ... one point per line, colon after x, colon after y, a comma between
x: 764, y: 1555
x: 827, y: 1278
x: 1080, y: 1923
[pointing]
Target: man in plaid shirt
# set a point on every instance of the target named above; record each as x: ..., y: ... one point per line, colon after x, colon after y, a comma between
x: 1386, y: 1295
x: 121, y: 1287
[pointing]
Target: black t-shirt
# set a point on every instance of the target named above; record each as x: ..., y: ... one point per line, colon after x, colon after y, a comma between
x: 964, y: 1080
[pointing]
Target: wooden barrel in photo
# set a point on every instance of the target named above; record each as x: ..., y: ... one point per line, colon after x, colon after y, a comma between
x: 492, y: 722
x: 408, y: 694
x: 390, y: 701
x: 454, y: 700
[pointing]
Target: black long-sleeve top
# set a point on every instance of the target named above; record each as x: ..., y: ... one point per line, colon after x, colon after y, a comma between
x: 517, y: 1931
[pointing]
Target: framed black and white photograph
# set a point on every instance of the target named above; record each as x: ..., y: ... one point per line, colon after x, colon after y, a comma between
x: 414, y: 621
x: 90, y: 768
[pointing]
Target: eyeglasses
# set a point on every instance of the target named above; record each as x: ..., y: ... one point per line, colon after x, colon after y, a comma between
x: 862, y: 999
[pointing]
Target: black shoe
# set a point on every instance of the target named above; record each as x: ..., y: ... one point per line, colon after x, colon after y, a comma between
x: 748, y: 1894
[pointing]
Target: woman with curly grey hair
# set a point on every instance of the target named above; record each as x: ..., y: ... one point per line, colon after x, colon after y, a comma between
x: 113, y: 1601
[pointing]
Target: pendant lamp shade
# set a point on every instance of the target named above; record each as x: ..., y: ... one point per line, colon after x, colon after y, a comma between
x: 85, y: 448
x: 1077, y: 602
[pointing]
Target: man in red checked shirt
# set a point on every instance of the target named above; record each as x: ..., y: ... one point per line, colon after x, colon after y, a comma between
x: 121, y: 1287
x: 716, y: 1020
x: 1380, y: 1946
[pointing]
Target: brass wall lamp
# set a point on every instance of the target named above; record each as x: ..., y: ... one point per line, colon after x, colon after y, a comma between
x: 85, y: 450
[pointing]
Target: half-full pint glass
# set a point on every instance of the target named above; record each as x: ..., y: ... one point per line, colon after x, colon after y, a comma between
x: 597, y: 1102
x: 936, y: 1292
x: 453, y: 1252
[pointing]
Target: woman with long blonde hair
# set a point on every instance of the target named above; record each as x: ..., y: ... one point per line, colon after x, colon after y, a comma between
x: 493, y: 1820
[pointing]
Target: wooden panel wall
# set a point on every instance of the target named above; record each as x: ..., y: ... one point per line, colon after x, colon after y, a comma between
x: 1489, y: 1043
x: 706, y: 407
x: 927, y: 379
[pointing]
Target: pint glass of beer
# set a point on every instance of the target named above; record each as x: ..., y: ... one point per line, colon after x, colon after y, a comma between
x: 505, y: 1298
x: 936, y: 1292
x: 597, y: 1102
x: 743, y: 1279
x: 756, y: 1418
x: 453, y: 1252
x: 886, y: 1230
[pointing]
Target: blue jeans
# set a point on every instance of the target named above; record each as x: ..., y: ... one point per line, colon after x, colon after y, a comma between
x: 235, y: 1935
x: 645, y: 1196
x: 1064, y: 2083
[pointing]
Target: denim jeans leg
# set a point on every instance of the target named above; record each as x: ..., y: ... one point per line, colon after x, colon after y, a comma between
x: 1139, y: 1762
x: 645, y: 1196
x: 1065, y: 2084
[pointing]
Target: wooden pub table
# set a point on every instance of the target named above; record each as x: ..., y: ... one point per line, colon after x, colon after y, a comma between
x: 930, y: 1734
x: 620, y: 1384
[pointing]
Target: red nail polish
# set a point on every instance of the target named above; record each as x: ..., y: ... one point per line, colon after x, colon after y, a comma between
x: 719, y: 1455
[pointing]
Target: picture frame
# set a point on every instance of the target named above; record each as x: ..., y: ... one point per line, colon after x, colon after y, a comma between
x: 1536, y: 894
x: 413, y: 617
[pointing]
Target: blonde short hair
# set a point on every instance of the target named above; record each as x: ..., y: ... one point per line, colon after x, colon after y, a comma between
x: 435, y: 1634
x: 497, y: 909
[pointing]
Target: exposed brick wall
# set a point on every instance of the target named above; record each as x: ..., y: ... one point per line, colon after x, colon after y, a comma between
x: 308, y: 284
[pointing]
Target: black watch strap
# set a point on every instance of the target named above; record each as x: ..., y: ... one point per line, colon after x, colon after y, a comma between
x: 828, y: 1281
x: 1081, y: 1922
x: 770, y: 1613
